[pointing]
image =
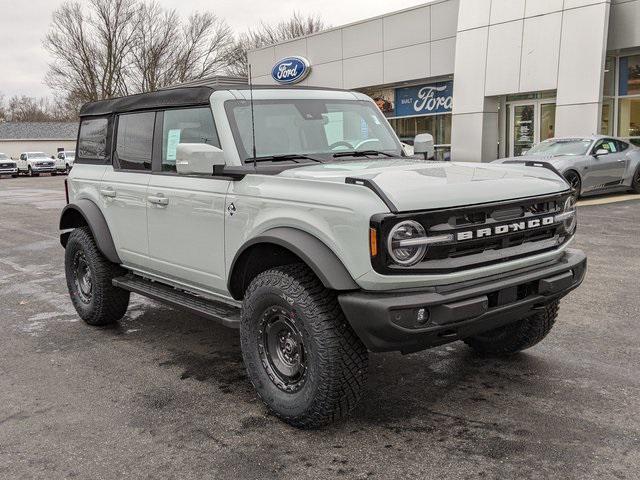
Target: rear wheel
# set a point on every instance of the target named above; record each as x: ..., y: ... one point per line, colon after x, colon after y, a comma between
x: 301, y: 355
x: 573, y: 179
x: 517, y: 336
x: 89, y: 280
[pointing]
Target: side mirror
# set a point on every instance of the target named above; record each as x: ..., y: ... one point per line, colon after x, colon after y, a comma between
x: 600, y: 152
x: 423, y: 145
x: 198, y: 158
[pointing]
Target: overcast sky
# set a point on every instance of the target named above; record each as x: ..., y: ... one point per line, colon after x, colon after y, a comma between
x: 24, y: 23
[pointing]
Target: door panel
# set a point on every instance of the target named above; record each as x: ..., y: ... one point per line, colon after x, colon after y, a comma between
x: 124, y: 204
x: 604, y: 171
x: 186, y: 229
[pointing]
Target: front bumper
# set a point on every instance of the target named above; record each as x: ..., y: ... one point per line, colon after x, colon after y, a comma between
x: 37, y: 169
x: 415, y: 320
x: 8, y: 171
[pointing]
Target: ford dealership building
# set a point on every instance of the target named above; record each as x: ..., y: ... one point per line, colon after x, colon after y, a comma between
x: 487, y: 78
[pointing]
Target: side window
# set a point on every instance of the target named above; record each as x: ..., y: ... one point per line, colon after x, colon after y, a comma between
x: 608, y: 145
x: 134, y: 140
x: 188, y: 125
x: 23, y: 156
x: 92, y: 141
x: 622, y: 146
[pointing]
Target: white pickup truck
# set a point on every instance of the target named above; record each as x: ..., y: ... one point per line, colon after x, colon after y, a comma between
x: 35, y: 163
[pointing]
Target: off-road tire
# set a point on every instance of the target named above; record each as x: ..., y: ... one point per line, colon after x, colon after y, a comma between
x: 635, y: 183
x: 336, y: 361
x: 14, y: 175
x: 107, y: 304
x: 517, y: 336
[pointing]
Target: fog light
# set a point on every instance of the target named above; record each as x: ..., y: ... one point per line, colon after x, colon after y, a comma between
x: 423, y: 316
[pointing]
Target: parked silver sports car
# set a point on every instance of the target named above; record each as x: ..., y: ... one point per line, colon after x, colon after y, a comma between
x: 595, y: 164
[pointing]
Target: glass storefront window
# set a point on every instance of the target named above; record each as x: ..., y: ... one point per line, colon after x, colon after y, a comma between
x: 606, y: 123
x: 547, y: 121
x: 608, y: 89
x: 629, y: 83
x: 629, y: 117
x: 437, y: 125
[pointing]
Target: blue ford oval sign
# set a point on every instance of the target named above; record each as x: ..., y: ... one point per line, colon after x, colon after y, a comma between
x: 291, y: 70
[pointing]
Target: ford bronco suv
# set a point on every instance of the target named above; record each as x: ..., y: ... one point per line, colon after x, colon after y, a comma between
x: 294, y: 215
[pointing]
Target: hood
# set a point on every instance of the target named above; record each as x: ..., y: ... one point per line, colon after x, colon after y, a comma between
x: 418, y: 185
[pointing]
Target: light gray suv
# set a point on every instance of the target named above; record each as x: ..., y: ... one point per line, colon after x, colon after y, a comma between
x: 294, y: 215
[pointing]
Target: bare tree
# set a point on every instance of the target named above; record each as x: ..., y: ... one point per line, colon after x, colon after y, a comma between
x: 31, y: 109
x: 92, y: 49
x: 116, y: 47
x: 296, y: 26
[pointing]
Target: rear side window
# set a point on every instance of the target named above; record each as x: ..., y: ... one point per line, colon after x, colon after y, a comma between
x: 622, y: 146
x: 188, y: 125
x: 134, y: 140
x: 92, y: 141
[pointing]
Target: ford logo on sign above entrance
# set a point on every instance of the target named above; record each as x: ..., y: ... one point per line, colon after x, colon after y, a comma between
x: 291, y: 70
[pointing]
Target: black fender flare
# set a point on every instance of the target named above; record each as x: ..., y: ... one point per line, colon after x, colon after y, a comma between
x: 83, y: 212
x: 312, y: 251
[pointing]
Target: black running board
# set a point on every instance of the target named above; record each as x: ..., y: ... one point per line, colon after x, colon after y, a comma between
x: 225, y: 314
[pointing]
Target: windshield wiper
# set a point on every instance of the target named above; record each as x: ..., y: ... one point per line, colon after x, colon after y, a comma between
x: 282, y: 158
x: 362, y: 153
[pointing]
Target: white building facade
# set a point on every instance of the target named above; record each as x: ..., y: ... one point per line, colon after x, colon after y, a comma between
x: 487, y: 78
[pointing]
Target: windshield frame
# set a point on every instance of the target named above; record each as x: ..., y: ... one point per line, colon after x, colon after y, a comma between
x: 553, y: 141
x: 324, y: 157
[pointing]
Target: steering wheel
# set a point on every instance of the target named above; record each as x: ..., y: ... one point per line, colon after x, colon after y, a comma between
x: 335, y: 145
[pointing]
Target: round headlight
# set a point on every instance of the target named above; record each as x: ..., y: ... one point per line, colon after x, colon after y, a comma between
x: 571, y: 221
x: 406, y: 254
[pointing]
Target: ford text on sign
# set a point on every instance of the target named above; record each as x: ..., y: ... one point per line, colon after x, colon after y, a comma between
x: 424, y: 99
x: 291, y: 70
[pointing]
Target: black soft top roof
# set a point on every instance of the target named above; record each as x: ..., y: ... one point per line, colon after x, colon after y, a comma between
x: 171, y: 97
x: 177, y: 97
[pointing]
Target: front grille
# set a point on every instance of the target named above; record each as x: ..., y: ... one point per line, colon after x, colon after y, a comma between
x: 7, y: 165
x: 479, y: 236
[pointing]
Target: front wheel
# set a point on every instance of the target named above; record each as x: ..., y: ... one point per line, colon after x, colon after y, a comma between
x: 89, y: 279
x: 573, y: 179
x: 517, y: 336
x: 301, y: 355
x: 635, y: 184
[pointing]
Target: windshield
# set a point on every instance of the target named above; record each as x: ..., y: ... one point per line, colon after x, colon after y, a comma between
x: 319, y: 128
x: 556, y: 147
x: 4, y: 156
x: 70, y: 154
x: 37, y: 155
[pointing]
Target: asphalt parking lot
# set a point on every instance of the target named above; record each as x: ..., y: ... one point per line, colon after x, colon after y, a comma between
x: 164, y: 394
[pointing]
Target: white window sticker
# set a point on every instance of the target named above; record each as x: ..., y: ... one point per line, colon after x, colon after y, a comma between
x: 173, y: 139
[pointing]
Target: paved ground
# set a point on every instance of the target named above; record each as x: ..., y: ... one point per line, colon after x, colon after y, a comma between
x: 164, y: 395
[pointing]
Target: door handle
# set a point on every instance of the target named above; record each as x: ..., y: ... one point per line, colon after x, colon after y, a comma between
x: 108, y: 192
x: 158, y: 200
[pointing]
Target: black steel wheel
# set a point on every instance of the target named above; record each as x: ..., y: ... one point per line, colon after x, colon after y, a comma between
x: 82, y: 277
x: 281, y: 348
x: 573, y: 179
x: 301, y: 355
x: 89, y: 279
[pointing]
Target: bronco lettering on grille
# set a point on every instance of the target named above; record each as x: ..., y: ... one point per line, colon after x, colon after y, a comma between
x: 507, y: 228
